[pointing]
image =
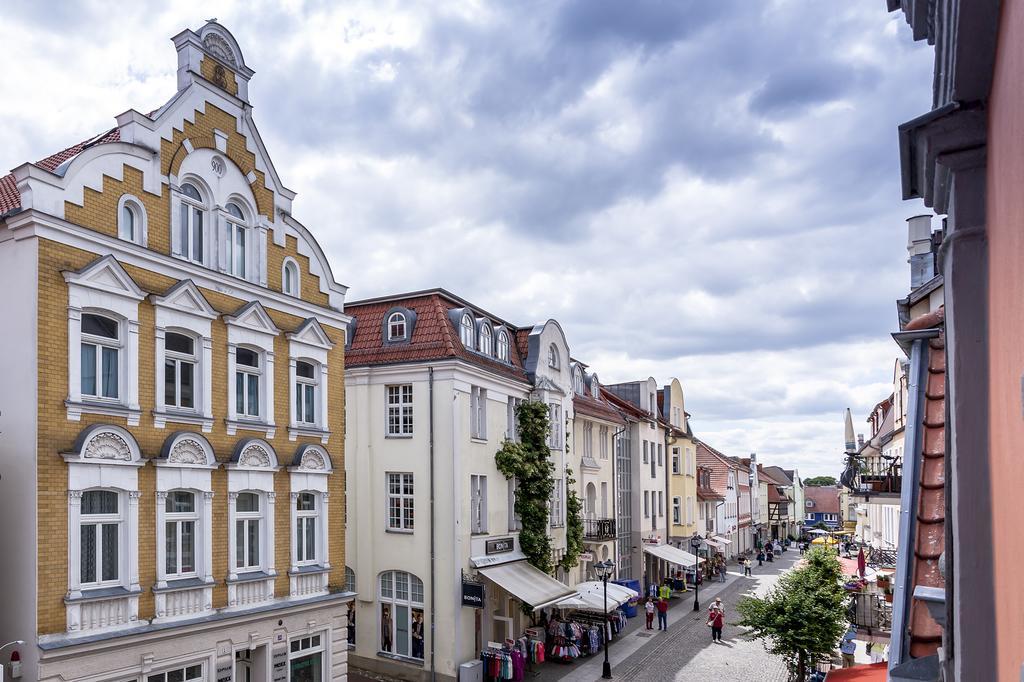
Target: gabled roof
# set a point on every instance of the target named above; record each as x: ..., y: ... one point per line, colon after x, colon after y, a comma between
x: 718, y: 463
x: 10, y: 198
x: 593, y: 407
x: 433, y: 337
x: 628, y: 409
x: 824, y: 497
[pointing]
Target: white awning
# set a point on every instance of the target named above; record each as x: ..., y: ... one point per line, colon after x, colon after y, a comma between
x: 527, y: 584
x: 715, y: 543
x: 617, y: 594
x: 723, y: 539
x: 672, y: 554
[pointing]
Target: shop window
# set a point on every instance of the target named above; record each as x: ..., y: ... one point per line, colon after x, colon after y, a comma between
x: 401, y: 614
x: 306, y: 659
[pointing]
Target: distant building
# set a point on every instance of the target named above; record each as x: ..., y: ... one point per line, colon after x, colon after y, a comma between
x: 821, y: 505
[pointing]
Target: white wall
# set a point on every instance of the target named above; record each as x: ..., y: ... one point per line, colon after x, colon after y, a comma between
x: 18, y: 457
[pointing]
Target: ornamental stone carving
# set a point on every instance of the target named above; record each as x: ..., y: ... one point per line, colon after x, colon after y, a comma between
x: 108, y: 445
x: 219, y: 48
x: 187, y: 451
x: 313, y: 461
x: 254, y: 455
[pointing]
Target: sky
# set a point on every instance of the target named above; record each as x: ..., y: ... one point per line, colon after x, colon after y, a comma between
x: 701, y: 190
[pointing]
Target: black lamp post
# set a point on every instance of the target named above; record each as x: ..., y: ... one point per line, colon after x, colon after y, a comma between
x: 604, y: 571
x: 695, y: 542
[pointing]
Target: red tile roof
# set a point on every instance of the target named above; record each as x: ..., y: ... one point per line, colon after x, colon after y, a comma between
x: 433, y: 338
x: 930, y: 530
x: 718, y: 463
x: 10, y: 198
x: 593, y: 407
x: 825, y: 498
x: 626, y: 407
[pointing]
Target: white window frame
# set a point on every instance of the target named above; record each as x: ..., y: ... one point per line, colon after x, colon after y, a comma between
x: 677, y: 510
x: 647, y: 504
x: 98, y: 521
x: 646, y: 455
x: 309, y: 472
x: 399, y: 413
x: 176, y: 520
x: 139, y: 230
x: 603, y: 442
x: 485, y: 342
x: 104, y: 288
x: 555, y: 441
x: 809, y: 516
x: 478, y: 504
x: 396, y: 321
x: 309, y: 343
x: 185, y: 229
x: 478, y: 413
x: 161, y: 676
x: 247, y: 518
x: 512, y: 428
x: 556, y: 518
x: 306, y: 394
x: 661, y: 503
x: 179, y: 358
x: 252, y: 328
x: 304, y: 518
x: 514, y: 521
x: 588, y: 439
x: 390, y: 597
x: 249, y: 374
x: 252, y: 470
x: 100, y: 344
x: 404, y: 502
x: 317, y: 644
x: 675, y: 461
x: 503, y: 346
x: 289, y: 268
x: 467, y: 332
x: 554, y: 361
x: 577, y: 381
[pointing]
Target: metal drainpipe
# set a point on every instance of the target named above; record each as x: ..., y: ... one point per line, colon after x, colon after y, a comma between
x: 433, y: 573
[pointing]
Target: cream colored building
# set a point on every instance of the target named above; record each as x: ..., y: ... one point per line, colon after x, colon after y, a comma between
x: 432, y: 383
x: 173, y: 454
x: 682, y: 469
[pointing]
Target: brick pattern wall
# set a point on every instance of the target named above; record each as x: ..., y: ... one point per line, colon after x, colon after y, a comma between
x: 208, y: 70
x: 57, y: 434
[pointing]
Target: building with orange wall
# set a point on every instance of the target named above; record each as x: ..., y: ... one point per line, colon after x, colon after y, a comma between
x: 173, y: 406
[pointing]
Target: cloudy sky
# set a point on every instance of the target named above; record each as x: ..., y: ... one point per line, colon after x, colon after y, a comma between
x: 706, y: 190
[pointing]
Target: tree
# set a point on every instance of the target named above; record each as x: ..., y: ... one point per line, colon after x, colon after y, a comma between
x: 529, y: 463
x: 815, y: 481
x: 573, y: 523
x: 803, y: 617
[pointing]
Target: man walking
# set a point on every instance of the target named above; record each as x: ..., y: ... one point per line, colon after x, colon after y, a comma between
x: 716, y: 619
x: 746, y: 568
x: 848, y: 648
x: 663, y: 614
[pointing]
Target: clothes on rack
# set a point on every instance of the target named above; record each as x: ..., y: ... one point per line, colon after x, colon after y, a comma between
x: 503, y: 664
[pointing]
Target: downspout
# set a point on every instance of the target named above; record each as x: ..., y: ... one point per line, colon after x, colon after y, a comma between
x: 668, y: 491
x: 433, y: 554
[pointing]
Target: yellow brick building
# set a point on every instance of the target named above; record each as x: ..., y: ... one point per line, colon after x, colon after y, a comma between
x: 172, y: 419
x: 682, y: 472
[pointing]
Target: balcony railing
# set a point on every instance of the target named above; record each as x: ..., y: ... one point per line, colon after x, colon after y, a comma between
x: 880, y: 476
x: 881, y: 557
x: 599, y: 529
x: 869, y: 610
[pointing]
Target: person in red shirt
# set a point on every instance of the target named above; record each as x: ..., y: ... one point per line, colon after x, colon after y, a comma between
x: 663, y: 614
x: 716, y: 619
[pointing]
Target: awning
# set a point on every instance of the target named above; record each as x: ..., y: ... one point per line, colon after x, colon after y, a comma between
x: 527, y: 584
x: 617, y: 594
x: 873, y: 672
x: 671, y: 554
x: 716, y: 543
x: 723, y: 539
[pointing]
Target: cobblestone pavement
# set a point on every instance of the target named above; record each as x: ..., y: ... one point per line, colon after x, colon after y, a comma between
x: 685, y: 651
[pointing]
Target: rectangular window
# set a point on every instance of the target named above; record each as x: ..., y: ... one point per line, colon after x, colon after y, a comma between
x: 555, y: 419
x: 675, y: 461
x: 512, y: 431
x: 192, y: 672
x: 555, y: 517
x: 305, y: 659
x: 588, y: 439
x: 809, y: 516
x: 647, y: 504
x: 603, y: 436
x: 400, y: 410
x: 646, y: 458
x: 401, y: 501
x: 99, y: 535
x: 654, y: 463
x: 513, y: 516
x: 247, y: 383
x: 478, y: 503
x: 661, y: 503
x: 478, y: 412
x: 676, y: 510
x: 661, y: 454
x: 247, y: 531
x: 305, y: 528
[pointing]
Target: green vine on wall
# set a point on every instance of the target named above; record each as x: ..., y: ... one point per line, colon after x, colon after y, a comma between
x: 528, y: 461
x: 573, y: 523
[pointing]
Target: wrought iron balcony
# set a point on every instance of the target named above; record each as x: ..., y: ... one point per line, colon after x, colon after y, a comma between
x: 599, y: 529
x: 870, y: 611
x: 875, y: 476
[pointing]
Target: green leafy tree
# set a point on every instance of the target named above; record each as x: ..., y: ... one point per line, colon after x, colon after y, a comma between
x: 803, y: 617
x: 573, y: 523
x: 529, y: 462
x: 815, y: 481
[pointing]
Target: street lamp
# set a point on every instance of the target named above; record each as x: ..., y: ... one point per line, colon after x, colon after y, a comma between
x: 695, y: 542
x: 604, y: 571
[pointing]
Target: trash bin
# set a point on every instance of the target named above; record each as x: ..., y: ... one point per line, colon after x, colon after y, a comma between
x: 471, y: 671
x: 629, y: 608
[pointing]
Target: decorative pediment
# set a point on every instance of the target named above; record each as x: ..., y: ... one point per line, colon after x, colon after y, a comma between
x: 185, y: 448
x: 106, y: 274
x: 311, y: 333
x: 104, y: 444
x: 311, y: 459
x: 253, y: 453
x: 186, y: 297
x: 253, y: 316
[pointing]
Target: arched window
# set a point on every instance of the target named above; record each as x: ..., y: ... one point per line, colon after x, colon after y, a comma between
x: 102, y: 543
x: 234, y: 240
x: 577, y: 381
x: 503, y: 346
x: 290, y: 278
x: 100, y: 356
x: 401, y: 614
x: 486, y: 339
x: 191, y: 222
x: 179, y: 371
x: 553, y: 362
x: 131, y: 220
x: 396, y: 326
x: 306, y: 374
x: 350, y: 580
x: 181, y: 518
x: 466, y: 331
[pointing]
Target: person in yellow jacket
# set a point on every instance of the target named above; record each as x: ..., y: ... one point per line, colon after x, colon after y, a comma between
x: 665, y: 591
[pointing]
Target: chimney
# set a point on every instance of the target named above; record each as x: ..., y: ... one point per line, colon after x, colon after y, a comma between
x: 919, y: 250
x: 860, y: 440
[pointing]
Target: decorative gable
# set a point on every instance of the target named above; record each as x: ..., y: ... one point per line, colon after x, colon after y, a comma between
x: 107, y: 275
x: 186, y: 297
x: 253, y: 316
x: 310, y: 333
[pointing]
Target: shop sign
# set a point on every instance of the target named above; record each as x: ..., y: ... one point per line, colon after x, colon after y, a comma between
x: 473, y: 595
x: 499, y: 546
x: 586, y: 556
x: 279, y: 665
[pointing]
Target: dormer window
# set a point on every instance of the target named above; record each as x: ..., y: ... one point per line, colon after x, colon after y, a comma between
x: 396, y: 327
x: 191, y: 225
x: 553, y: 361
x: 577, y: 381
x: 234, y: 240
x: 486, y: 339
x: 503, y: 346
x: 466, y: 331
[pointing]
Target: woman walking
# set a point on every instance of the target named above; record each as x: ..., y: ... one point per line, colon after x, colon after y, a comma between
x: 649, y: 611
x: 716, y: 619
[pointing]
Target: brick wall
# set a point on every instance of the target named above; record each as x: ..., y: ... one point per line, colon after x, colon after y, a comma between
x: 57, y: 434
